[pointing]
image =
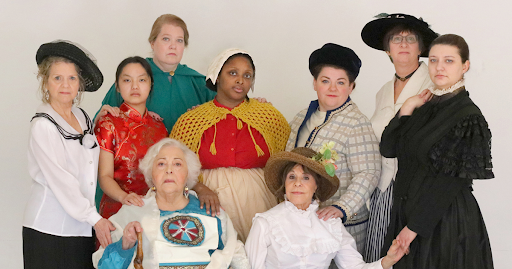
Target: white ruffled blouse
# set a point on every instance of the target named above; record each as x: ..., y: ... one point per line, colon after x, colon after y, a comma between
x: 287, y: 237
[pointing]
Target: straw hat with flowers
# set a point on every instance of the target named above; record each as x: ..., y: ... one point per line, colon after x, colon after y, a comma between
x: 321, y: 163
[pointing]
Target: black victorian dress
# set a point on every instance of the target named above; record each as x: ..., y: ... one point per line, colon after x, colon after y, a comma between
x: 441, y: 148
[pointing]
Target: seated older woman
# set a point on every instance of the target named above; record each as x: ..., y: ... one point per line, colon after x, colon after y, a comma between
x: 176, y: 232
x: 290, y: 235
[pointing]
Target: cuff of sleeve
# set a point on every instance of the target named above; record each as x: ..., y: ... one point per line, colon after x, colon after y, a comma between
x: 404, y: 119
x: 344, y: 219
x: 380, y: 263
x: 419, y: 229
x: 115, y: 256
x: 94, y: 218
x: 118, y: 247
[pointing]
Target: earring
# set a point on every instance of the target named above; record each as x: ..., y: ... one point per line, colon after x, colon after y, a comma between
x: 186, y: 191
x: 153, y: 188
x: 46, y: 96
x: 391, y: 59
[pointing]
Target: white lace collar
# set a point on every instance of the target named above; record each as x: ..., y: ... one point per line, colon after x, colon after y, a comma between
x: 299, y: 212
x: 451, y: 89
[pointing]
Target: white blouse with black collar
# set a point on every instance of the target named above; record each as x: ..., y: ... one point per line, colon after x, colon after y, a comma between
x: 64, y: 174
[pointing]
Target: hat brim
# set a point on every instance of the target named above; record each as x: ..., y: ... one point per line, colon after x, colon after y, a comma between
x: 277, y: 162
x: 373, y: 32
x: 90, y: 72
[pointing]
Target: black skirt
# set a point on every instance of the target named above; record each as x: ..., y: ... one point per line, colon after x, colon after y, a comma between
x: 41, y: 250
x: 459, y: 241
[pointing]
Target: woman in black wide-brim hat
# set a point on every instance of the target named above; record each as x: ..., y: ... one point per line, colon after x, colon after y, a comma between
x: 63, y: 163
x: 405, y: 39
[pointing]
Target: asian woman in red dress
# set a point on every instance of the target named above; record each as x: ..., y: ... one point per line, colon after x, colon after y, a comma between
x: 125, y: 139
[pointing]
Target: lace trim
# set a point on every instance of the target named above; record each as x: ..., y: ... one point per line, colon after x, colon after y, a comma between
x: 316, y: 245
x: 465, y: 152
x: 303, y: 213
x: 451, y: 89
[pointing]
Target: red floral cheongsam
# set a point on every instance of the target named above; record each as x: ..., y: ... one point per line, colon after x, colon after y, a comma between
x: 128, y: 137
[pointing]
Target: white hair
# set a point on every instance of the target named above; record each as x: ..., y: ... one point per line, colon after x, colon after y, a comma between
x: 193, y: 164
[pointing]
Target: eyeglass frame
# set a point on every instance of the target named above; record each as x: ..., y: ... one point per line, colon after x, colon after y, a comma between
x: 402, y: 38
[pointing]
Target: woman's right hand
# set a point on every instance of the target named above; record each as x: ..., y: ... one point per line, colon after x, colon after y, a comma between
x: 130, y: 234
x: 395, y: 253
x: 132, y: 199
x: 414, y: 102
x: 106, y: 109
x: 208, y: 199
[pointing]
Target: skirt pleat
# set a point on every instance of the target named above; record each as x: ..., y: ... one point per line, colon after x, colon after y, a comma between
x: 459, y: 241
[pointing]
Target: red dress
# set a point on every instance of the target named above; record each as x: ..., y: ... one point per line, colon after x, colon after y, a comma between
x: 128, y: 137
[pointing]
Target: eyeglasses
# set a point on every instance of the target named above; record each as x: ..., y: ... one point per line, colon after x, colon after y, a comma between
x: 397, y: 39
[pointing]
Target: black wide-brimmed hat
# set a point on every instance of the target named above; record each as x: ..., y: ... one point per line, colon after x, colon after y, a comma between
x: 80, y: 56
x: 336, y: 55
x: 326, y: 185
x: 373, y: 32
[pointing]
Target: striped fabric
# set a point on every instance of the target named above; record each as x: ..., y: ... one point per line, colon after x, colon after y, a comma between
x: 380, y: 212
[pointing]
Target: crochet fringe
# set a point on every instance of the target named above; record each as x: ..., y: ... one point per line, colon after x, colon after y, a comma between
x: 263, y: 117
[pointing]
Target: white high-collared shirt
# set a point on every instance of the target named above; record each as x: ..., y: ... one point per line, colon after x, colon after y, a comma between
x: 286, y: 237
x: 386, y: 109
x: 64, y: 175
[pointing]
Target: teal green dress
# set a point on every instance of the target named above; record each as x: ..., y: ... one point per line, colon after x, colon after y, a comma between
x: 170, y: 98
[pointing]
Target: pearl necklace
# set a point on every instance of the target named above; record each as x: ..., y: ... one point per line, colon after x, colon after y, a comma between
x: 451, y: 89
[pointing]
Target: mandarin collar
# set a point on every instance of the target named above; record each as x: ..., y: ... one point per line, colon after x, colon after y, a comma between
x: 132, y: 113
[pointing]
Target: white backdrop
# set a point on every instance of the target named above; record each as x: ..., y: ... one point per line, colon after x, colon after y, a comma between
x: 280, y: 35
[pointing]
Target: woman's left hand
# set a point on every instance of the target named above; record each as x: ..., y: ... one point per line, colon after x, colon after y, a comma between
x: 405, y: 237
x: 103, y: 228
x: 262, y: 100
x: 155, y: 116
x: 329, y: 212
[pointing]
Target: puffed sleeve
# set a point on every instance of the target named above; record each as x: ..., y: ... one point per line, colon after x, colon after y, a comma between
x: 50, y: 154
x: 112, y: 98
x: 257, y: 243
x: 458, y: 157
x: 105, y: 133
x: 465, y: 152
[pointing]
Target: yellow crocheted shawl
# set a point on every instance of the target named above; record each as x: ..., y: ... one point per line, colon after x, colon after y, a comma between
x: 261, y: 116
